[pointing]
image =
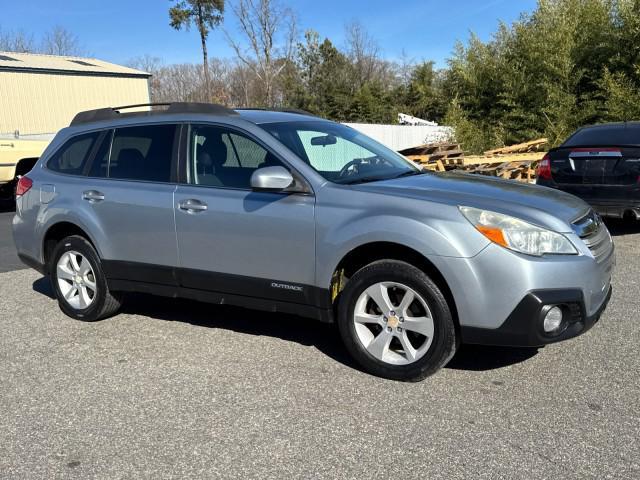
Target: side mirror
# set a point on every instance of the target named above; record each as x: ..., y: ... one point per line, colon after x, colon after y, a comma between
x: 273, y: 179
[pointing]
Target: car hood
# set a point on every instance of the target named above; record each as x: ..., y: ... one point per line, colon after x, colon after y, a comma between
x: 541, y: 206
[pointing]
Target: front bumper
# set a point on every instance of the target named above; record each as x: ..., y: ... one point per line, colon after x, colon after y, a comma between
x: 608, y: 200
x: 618, y: 210
x: 523, y: 328
x: 499, y: 293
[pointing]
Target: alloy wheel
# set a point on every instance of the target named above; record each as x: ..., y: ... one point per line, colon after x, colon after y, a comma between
x: 76, y: 280
x: 393, y: 323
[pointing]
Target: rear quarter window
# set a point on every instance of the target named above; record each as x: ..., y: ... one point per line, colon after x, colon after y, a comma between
x: 605, y: 136
x: 72, y: 157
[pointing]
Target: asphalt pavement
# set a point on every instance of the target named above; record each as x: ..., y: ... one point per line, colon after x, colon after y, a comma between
x: 178, y: 389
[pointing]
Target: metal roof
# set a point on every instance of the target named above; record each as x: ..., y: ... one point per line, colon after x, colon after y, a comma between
x: 37, y: 63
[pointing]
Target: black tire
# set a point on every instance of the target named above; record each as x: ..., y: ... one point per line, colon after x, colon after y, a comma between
x: 444, y: 343
x: 105, y: 303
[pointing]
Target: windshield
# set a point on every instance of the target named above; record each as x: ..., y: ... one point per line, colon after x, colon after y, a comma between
x: 339, y: 153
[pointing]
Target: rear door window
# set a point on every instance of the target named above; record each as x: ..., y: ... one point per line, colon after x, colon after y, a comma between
x: 72, y: 157
x: 142, y: 153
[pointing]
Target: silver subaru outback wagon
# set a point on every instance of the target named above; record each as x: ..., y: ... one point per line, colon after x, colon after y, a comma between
x: 283, y: 211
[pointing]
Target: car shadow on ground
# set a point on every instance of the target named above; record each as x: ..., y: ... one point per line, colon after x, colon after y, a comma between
x: 7, y: 206
x: 323, y: 337
x: 619, y: 227
x: 479, y: 358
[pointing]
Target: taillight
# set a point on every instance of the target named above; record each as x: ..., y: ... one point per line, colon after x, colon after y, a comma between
x: 24, y: 185
x: 544, y: 168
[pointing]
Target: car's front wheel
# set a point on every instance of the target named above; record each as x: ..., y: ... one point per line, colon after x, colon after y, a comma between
x: 79, y: 282
x: 396, y: 322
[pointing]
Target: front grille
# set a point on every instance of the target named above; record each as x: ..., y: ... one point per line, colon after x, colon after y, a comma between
x: 593, y: 232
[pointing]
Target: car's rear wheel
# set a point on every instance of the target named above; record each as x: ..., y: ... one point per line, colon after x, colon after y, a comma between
x: 79, y: 282
x: 396, y: 322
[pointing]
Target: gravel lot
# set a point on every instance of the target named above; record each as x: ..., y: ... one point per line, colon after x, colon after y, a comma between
x: 176, y: 389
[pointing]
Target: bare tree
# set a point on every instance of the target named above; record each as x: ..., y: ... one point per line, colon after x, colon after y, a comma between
x: 244, y: 87
x: 60, y: 41
x: 146, y: 63
x: 270, y: 34
x: 185, y: 82
x: 405, y: 67
x: 152, y: 65
x: 363, y: 50
x: 205, y: 15
x: 220, y: 71
x: 57, y: 41
x: 17, y: 41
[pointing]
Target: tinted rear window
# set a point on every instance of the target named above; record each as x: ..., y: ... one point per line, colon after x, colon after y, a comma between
x: 100, y: 163
x: 614, y: 135
x: 72, y: 157
x: 142, y: 153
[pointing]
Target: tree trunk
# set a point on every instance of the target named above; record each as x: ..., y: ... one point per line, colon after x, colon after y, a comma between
x: 267, y: 85
x: 205, y: 58
x: 205, y: 67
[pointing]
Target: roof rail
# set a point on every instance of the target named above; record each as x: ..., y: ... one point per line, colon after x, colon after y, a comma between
x: 283, y: 110
x: 295, y: 110
x: 112, y: 113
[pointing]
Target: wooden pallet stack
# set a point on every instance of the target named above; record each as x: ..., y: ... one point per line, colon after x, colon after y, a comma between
x: 436, y: 156
x: 515, y: 162
x: 521, y: 170
x: 532, y: 147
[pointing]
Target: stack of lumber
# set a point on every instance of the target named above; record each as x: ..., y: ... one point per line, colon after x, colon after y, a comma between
x: 515, y: 162
x: 512, y: 168
x: 435, y: 156
x: 526, y: 147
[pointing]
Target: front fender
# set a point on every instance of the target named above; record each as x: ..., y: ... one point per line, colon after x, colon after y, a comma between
x: 439, y: 238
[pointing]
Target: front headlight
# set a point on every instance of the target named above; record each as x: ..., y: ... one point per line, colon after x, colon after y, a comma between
x: 518, y: 235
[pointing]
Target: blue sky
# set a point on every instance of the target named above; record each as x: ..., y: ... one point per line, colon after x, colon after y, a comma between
x: 118, y: 30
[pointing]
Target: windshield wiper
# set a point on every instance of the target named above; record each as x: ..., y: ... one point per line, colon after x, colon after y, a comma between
x: 377, y: 179
x: 409, y: 173
x: 363, y: 180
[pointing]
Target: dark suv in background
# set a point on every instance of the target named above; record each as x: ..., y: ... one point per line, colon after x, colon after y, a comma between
x: 601, y: 165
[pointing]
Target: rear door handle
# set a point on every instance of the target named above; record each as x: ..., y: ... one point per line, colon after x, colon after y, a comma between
x: 192, y: 206
x: 92, y: 196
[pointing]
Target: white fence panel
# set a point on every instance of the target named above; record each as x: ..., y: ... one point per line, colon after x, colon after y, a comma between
x: 399, y: 137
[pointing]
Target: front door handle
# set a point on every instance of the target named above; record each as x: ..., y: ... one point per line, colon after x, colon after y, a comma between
x: 192, y: 206
x: 92, y: 196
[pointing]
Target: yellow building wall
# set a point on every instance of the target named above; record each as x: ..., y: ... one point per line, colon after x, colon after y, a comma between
x: 35, y: 103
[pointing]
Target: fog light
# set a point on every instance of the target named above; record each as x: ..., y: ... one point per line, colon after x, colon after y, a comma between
x: 553, y: 320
